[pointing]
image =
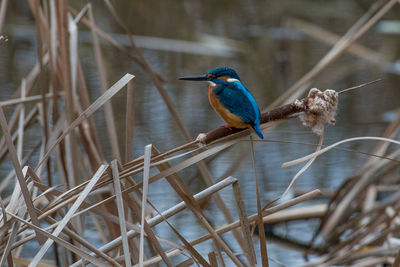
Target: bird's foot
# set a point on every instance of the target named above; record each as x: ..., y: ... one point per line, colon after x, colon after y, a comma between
x: 227, y: 126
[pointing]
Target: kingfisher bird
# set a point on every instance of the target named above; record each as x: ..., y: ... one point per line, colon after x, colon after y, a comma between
x: 230, y: 99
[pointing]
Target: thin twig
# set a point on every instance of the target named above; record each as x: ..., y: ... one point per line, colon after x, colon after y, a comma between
x: 359, y: 86
x: 260, y: 223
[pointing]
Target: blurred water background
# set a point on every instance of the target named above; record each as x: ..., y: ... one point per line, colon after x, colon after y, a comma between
x: 191, y: 37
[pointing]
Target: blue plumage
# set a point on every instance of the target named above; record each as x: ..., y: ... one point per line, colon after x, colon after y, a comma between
x: 230, y: 99
x: 239, y: 101
x: 223, y: 71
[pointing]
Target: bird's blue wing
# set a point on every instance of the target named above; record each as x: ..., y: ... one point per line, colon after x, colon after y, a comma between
x: 238, y: 100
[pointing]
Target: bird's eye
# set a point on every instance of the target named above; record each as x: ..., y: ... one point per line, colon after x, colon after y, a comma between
x: 211, y: 76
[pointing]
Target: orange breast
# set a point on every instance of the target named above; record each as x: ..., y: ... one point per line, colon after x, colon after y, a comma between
x: 230, y: 118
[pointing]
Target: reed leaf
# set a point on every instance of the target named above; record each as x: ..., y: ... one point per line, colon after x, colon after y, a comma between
x: 121, y: 213
x: 69, y: 214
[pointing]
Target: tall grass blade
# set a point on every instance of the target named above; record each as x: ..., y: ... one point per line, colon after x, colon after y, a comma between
x: 121, y: 213
x: 260, y: 223
x: 106, y: 96
x: 305, y: 167
x: 129, y: 120
x: 18, y: 172
x: 245, y: 225
x: 69, y: 214
x: 85, y: 99
x: 146, y: 174
x: 20, y: 143
x: 6, y: 253
x: 112, y: 132
x: 26, y: 99
x: 3, y: 11
x: 73, y: 53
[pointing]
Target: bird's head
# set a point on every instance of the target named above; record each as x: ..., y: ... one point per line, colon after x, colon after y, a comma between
x: 214, y: 74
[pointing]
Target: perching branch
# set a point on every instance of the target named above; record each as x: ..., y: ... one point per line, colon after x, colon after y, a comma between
x: 279, y: 113
x: 317, y: 109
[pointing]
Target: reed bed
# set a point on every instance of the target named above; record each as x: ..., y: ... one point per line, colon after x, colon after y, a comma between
x: 72, y: 184
x: 360, y: 226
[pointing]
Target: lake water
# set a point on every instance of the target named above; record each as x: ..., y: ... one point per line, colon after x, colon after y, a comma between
x: 249, y: 36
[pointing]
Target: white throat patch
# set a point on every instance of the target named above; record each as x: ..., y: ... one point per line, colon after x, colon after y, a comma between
x: 212, y: 83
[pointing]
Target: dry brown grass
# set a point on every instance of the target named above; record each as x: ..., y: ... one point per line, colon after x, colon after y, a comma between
x: 123, y: 216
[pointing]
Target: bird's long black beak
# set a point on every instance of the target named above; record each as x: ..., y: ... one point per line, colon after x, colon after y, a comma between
x: 203, y: 77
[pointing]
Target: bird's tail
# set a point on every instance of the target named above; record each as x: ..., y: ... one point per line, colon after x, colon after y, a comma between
x: 256, y: 128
